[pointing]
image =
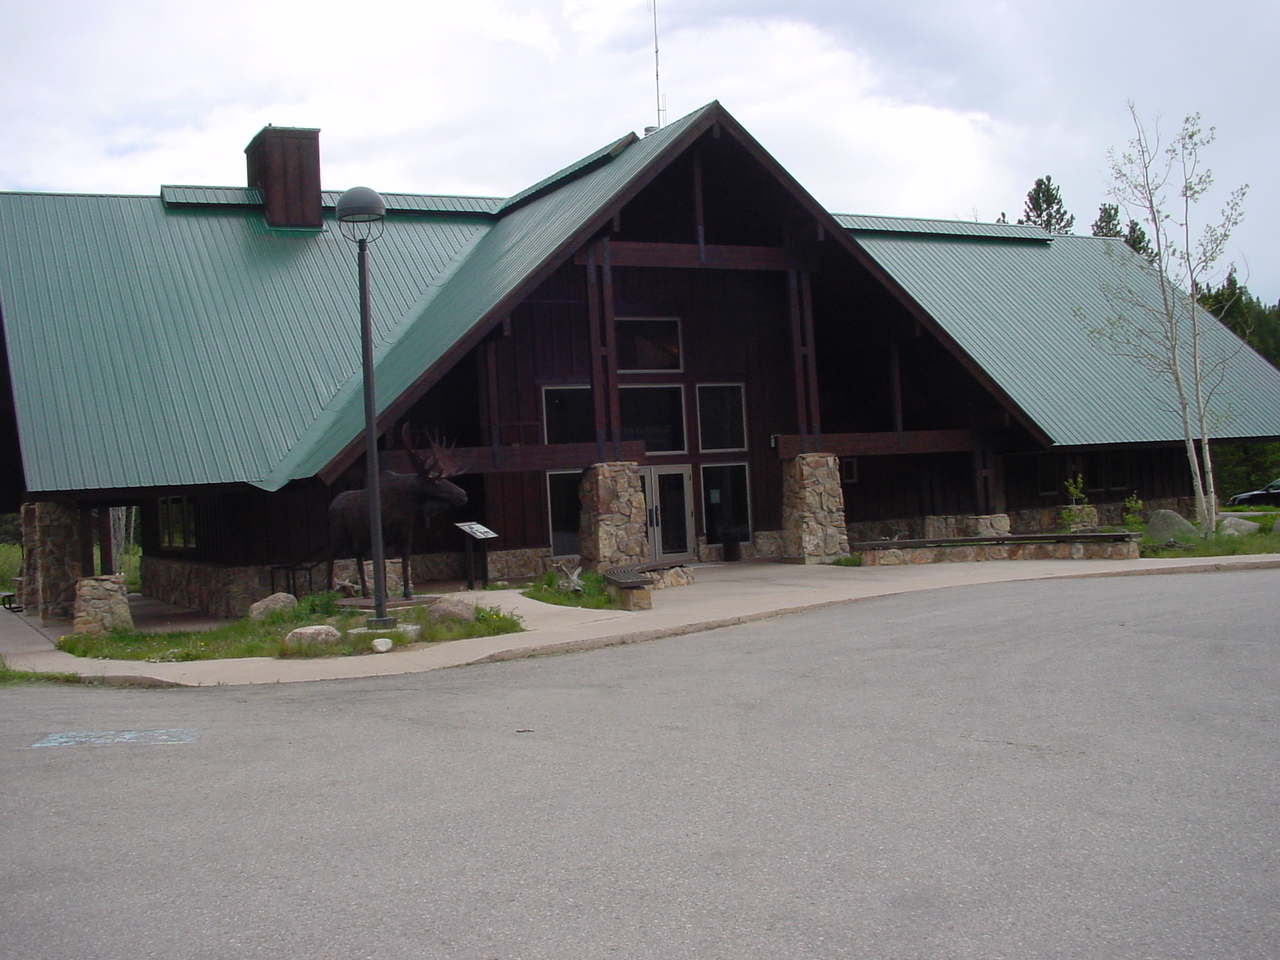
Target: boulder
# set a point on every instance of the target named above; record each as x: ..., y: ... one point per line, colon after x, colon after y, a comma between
x: 1238, y: 526
x: 1167, y: 525
x: 273, y: 603
x: 382, y: 644
x: 450, y: 607
x: 311, y: 636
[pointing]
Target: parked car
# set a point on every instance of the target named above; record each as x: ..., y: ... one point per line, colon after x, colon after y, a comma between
x: 1268, y: 496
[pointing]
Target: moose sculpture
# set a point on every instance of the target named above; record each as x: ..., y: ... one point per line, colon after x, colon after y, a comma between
x: 405, y: 497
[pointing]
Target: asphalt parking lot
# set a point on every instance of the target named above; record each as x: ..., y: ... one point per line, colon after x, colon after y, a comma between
x: 1070, y: 768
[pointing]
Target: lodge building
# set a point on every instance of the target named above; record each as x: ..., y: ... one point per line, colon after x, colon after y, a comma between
x: 673, y: 315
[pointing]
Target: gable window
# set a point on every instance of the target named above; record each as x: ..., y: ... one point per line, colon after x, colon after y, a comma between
x: 654, y: 415
x: 648, y: 344
x: 177, y: 523
x: 722, y: 421
x: 568, y: 415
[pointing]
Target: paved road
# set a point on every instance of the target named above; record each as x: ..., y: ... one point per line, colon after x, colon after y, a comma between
x: 1066, y: 769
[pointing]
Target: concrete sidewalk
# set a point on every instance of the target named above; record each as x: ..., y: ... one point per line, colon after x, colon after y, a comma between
x: 723, y: 594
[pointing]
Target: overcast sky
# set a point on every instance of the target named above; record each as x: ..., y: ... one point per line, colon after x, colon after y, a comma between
x: 905, y: 107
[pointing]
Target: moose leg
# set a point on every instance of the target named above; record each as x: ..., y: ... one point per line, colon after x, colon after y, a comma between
x: 364, y: 587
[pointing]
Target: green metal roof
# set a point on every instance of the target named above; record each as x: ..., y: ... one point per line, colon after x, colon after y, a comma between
x: 1024, y: 313
x: 161, y: 347
x: 862, y: 224
x: 178, y: 340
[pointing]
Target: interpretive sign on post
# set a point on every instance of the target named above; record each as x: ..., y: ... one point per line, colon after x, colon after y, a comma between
x: 477, y: 551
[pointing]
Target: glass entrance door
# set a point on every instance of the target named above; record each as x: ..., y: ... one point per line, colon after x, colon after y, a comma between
x: 668, y: 498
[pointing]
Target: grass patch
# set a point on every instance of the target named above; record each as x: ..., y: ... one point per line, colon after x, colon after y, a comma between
x: 12, y: 678
x: 265, y: 638
x: 579, y: 589
x: 1219, y: 546
x: 854, y: 560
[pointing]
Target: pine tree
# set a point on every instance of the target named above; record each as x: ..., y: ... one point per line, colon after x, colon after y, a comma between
x: 1108, y: 225
x: 1136, y: 238
x: 1108, y: 222
x: 1044, y: 208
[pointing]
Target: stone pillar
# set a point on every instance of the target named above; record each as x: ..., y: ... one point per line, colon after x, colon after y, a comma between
x: 102, y: 605
x: 51, y: 535
x: 613, y: 529
x: 813, y: 529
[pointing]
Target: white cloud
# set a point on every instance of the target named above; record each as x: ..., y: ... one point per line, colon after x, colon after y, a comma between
x: 928, y: 108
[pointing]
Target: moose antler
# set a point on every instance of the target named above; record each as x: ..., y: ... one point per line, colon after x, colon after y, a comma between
x: 439, y: 465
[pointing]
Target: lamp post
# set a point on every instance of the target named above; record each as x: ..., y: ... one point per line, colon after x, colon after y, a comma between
x: 360, y: 212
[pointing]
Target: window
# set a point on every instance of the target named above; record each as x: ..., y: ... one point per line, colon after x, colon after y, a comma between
x: 1106, y: 470
x: 566, y: 506
x: 177, y: 523
x: 568, y: 415
x: 1048, y: 476
x: 722, y: 421
x: 726, y: 507
x: 648, y: 344
x: 654, y: 415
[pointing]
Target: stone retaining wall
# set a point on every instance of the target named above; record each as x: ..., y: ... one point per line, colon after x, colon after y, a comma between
x: 969, y: 553
x: 215, y: 590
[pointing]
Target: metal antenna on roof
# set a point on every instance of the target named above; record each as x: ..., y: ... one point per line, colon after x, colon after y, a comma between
x: 657, y: 72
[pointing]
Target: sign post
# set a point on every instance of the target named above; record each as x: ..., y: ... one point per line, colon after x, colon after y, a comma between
x: 477, y: 540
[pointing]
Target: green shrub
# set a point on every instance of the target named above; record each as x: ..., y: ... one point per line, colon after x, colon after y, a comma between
x: 10, y: 565
x: 577, y: 589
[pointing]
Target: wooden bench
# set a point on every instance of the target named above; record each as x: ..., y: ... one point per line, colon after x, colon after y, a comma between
x: 629, y: 585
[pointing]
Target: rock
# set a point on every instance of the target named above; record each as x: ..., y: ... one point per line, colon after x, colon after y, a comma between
x: 102, y: 605
x: 675, y: 577
x: 1238, y: 526
x: 272, y: 604
x: 1167, y: 525
x: 457, y: 609
x: 381, y: 644
x: 311, y: 636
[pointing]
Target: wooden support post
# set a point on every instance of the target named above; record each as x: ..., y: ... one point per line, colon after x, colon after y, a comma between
x: 106, y: 556
x: 86, y: 542
x: 599, y: 377
x: 611, y: 353
x: 698, y: 210
x: 798, y: 352
x: 493, y: 397
x: 895, y: 387
x: 811, y: 359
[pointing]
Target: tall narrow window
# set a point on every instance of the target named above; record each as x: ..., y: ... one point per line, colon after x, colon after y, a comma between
x: 177, y: 523
x: 566, y: 507
x: 721, y: 417
x: 568, y: 415
x: 726, y: 504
